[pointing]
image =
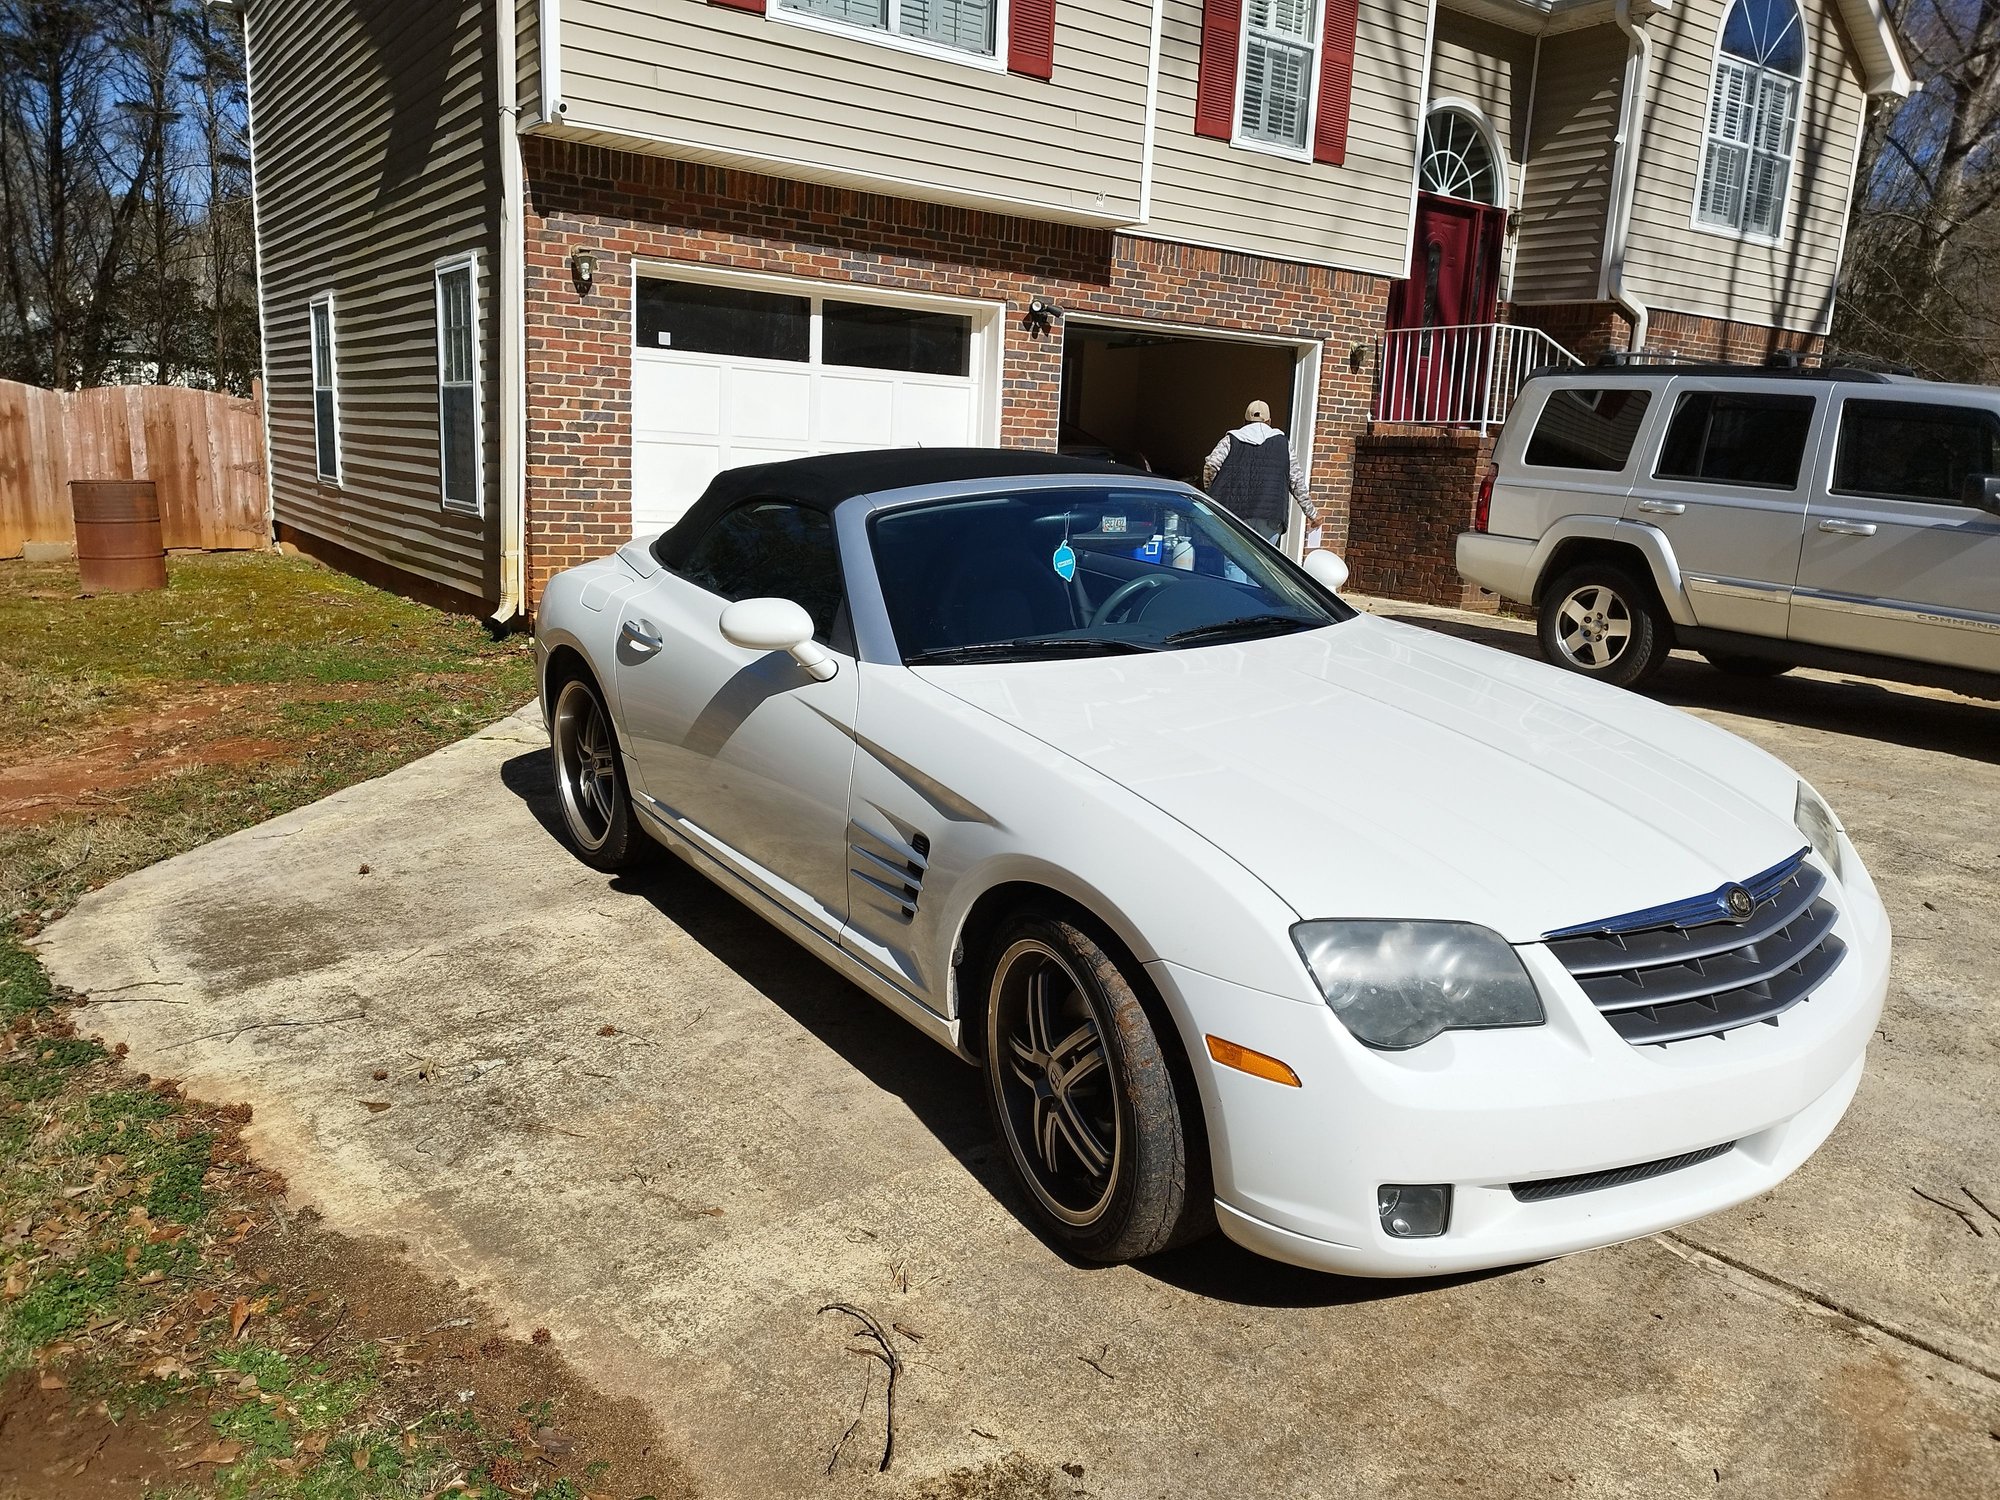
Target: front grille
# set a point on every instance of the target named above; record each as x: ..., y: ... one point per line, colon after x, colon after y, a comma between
x: 1545, y: 1188
x: 1691, y: 969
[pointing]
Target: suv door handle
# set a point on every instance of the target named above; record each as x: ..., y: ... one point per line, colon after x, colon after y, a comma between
x: 1663, y: 507
x: 641, y: 634
x: 1848, y: 528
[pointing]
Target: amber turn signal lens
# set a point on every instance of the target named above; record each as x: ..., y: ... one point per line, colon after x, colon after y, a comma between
x: 1254, y: 1063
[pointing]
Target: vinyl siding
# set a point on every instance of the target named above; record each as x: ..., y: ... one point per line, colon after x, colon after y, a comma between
x: 1567, y: 187
x: 1673, y: 265
x: 376, y: 156
x: 528, y: 59
x: 710, y: 83
x: 1356, y: 215
x: 1489, y: 66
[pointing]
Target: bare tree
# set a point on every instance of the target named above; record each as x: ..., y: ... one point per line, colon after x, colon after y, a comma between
x: 123, y: 193
x: 1923, y: 249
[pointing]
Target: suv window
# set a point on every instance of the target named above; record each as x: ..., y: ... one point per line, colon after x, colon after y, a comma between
x: 771, y: 549
x: 1584, y: 427
x: 1912, y: 450
x: 1737, y: 437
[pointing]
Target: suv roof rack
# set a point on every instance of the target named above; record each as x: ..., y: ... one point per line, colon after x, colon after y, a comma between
x: 1782, y: 365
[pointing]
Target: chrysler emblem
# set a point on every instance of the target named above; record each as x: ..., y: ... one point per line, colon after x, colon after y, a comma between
x: 1739, y: 902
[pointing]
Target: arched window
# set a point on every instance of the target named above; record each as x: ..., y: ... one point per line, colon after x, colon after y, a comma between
x: 1753, y: 118
x: 1458, y: 158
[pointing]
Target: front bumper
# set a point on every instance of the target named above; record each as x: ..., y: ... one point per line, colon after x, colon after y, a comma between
x: 1297, y: 1169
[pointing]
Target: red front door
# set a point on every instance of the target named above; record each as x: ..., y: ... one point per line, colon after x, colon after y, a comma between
x: 1454, y: 266
x: 1454, y: 284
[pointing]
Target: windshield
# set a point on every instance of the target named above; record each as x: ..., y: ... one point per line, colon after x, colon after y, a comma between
x: 1074, y: 572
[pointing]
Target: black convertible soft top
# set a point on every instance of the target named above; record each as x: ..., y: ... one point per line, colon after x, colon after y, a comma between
x: 824, y: 481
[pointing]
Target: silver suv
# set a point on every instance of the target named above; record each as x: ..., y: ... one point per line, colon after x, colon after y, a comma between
x: 1764, y: 517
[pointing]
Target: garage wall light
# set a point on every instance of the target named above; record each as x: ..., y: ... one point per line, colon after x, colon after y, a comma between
x: 583, y: 269
x: 1040, y: 317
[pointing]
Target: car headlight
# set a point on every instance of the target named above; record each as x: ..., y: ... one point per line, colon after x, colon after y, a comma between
x: 1816, y: 821
x: 1398, y: 984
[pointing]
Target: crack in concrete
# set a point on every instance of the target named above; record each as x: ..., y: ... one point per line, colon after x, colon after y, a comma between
x: 1835, y: 1305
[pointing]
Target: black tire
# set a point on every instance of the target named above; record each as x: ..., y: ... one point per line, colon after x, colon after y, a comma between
x: 1603, y: 621
x: 1747, y: 666
x: 596, y: 803
x: 1090, y: 1078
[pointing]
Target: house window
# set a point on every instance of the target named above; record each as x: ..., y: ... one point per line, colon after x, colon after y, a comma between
x: 458, y: 385
x: 1458, y: 159
x: 326, y: 398
x: 1753, y: 117
x: 1280, y: 47
x: 961, y: 25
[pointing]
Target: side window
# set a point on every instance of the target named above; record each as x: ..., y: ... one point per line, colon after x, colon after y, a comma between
x: 1910, y: 450
x: 1737, y: 437
x: 771, y: 549
x: 1587, y: 428
x: 326, y: 393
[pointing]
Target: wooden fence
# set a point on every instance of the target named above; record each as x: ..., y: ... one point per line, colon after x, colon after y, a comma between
x: 204, y: 449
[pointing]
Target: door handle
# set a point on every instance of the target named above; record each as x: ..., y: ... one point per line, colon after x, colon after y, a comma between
x: 642, y: 634
x: 1663, y: 507
x: 1848, y: 528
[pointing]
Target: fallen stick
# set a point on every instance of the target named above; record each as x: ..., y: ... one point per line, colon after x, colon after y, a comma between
x: 889, y: 1357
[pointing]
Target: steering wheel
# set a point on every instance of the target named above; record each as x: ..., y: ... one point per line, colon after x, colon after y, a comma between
x: 1124, y: 593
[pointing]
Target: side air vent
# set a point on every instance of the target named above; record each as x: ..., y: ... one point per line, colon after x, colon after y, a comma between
x: 890, y: 866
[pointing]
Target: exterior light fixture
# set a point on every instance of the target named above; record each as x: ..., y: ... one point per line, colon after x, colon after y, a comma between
x: 1040, y: 317
x: 583, y: 269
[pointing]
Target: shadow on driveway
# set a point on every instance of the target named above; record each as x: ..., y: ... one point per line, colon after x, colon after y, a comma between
x: 1873, y: 708
x: 944, y: 1094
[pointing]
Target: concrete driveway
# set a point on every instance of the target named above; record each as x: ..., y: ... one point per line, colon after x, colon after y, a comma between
x: 629, y: 1111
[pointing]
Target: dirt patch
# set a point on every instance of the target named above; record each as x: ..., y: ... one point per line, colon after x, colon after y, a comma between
x: 52, y: 1448
x: 171, y: 735
x: 444, y: 1350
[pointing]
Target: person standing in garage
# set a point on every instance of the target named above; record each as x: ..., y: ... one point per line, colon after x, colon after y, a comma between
x: 1253, y: 472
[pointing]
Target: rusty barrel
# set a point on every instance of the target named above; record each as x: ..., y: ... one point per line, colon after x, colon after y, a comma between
x: 119, y: 546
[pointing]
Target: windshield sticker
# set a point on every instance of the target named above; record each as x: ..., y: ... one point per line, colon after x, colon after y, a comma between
x: 1065, y: 563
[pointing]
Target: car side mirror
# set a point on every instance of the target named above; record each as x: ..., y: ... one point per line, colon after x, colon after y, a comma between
x: 1982, y: 492
x: 777, y: 625
x: 1327, y: 569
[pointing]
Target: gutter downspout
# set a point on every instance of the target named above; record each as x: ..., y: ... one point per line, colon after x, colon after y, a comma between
x: 1638, y: 63
x: 513, y: 313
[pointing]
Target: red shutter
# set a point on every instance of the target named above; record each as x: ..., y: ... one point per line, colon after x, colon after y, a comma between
x: 755, y: 7
x: 1215, y: 88
x: 1336, y: 81
x: 1031, y: 37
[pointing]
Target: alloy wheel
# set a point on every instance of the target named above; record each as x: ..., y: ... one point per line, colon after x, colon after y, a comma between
x: 586, y: 765
x: 1594, y: 626
x: 1058, y: 1093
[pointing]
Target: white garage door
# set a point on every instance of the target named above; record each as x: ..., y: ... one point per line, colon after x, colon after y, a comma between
x: 725, y: 374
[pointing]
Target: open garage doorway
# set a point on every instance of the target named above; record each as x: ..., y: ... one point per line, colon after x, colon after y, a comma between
x: 1162, y: 397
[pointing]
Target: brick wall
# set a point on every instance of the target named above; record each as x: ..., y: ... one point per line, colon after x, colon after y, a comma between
x: 1588, y: 329
x: 625, y: 207
x: 1413, y: 493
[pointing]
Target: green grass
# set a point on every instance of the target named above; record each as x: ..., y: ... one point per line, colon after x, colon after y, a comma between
x: 333, y: 681
x: 280, y: 680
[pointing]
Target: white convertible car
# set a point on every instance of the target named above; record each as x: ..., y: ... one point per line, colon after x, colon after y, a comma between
x: 1390, y: 953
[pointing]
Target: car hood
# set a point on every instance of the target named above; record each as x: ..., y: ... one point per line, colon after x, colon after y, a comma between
x: 1372, y: 769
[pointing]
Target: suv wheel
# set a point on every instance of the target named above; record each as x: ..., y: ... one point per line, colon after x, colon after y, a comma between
x: 1602, y: 621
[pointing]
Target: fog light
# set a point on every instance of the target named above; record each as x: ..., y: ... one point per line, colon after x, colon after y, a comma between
x: 1413, y: 1212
